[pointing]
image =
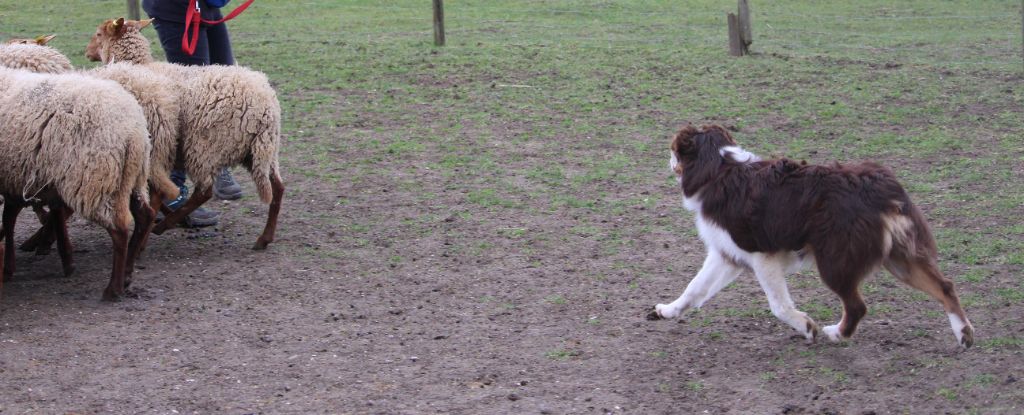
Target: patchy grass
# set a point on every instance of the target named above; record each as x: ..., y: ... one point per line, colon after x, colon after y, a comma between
x: 525, y: 164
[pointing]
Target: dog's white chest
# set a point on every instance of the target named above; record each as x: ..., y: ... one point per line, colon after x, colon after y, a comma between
x: 718, y: 239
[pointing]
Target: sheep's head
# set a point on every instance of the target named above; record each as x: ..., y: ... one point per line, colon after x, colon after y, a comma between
x: 41, y: 40
x: 111, y: 33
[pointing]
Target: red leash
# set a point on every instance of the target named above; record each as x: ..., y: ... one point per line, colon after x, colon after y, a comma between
x: 193, y: 19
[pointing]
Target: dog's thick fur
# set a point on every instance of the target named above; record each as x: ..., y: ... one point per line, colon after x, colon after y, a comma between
x: 769, y: 216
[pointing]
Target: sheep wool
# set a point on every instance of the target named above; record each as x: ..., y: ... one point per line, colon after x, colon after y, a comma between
x: 84, y: 138
x: 154, y: 92
x: 158, y: 98
x: 35, y: 58
x: 230, y: 114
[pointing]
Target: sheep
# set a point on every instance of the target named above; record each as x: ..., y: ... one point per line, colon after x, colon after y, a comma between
x: 77, y: 143
x: 230, y: 115
x: 33, y: 55
x: 154, y: 92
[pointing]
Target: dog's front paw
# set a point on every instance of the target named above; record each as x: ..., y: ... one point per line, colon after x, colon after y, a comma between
x: 966, y: 337
x: 663, y: 312
x: 832, y: 332
x: 813, y: 332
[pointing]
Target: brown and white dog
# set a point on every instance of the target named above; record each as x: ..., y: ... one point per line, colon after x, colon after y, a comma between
x: 768, y: 216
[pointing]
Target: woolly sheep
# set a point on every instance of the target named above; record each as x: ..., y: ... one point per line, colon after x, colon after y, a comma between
x: 230, y: 116
x: 33, y: 55
x: 153, y: 91
x: 79, y: 143
x: 156, y: 95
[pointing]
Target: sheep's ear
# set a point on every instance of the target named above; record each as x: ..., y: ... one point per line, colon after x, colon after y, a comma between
x: 144, y: 23
x: 42, y: 40
x: 117, y: 27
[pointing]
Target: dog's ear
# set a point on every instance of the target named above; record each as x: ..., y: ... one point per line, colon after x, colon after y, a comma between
x: 683, y: 144
x: 720, y: 134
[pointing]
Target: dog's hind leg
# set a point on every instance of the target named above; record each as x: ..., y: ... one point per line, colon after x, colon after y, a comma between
x: 924, y: 274
x: 716, y: 273
x: 771, y: 274
x: 846, y: 284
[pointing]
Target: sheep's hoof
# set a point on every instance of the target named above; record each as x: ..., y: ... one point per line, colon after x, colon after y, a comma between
x: 260, y: 245
x: 110, y: 296
x: 160, y: 229
x: 69, y: 270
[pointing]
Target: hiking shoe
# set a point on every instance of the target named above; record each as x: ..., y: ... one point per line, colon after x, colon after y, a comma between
x: 225, y: 187
x: 198, y: 218
x: 176, y: 203
x: 201, y: 218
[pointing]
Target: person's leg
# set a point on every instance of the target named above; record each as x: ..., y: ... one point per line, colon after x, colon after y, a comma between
x: 219, y: 43
x: 199, y: 217
x: 170, y: 34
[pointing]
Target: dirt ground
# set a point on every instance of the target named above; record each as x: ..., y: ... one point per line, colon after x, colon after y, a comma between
x: 406, y: 305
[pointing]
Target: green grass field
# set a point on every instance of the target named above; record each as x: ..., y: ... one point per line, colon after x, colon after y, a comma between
x: 532, y: 149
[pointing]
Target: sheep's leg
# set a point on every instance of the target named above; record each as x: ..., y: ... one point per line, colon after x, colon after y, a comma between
x: 40, y: 241
x: 275, y: 207
x: 43, y: 239
x: 119, y: 246
x: 143, y: 215
x: 197, y: 199
x: 156, y: 201
x: 57, y: 222
x: 11, y: 209
x: 32, y: 243
x: 41, y: 213
x: 1, y: 261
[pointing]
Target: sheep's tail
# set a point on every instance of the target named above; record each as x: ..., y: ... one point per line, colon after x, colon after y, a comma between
x: 134, y: 178
x: 265, y: 149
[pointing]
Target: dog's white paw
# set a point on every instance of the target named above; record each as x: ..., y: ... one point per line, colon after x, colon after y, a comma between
x: 665, y: 311
x: 832, y: 332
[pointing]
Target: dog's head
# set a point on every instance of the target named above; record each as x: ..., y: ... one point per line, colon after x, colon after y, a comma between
x: 698, y: 152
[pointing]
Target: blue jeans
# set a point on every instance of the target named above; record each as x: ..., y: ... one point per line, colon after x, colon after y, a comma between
x: 212, y: 48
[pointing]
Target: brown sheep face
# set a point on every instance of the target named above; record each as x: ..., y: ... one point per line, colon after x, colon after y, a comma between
x: 108, y: 33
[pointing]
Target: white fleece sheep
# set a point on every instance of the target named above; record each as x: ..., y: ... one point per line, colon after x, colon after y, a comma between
x: 230, y: 115
x: 34, y: 56
x: 82, y: 141
x: 154, y: 92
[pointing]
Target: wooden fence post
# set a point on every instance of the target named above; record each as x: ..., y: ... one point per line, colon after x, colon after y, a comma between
x: 133, y: 10
x: 438, y: 23
x: 745, y: 35
x: 735, y: 44
x: 740, y: 36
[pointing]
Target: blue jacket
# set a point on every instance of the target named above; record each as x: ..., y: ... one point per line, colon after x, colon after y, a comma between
x: 174, y: 10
